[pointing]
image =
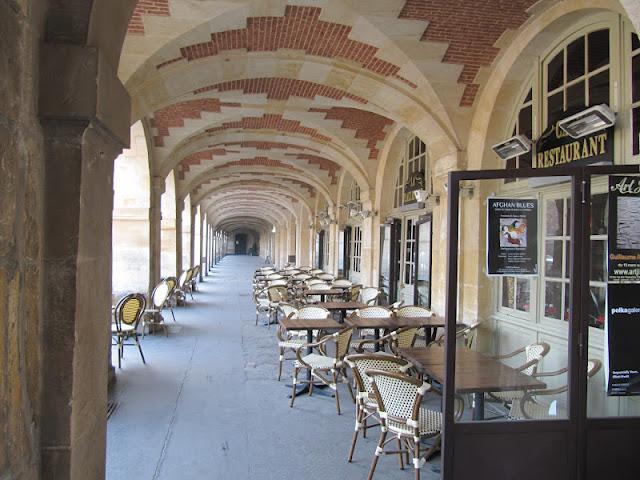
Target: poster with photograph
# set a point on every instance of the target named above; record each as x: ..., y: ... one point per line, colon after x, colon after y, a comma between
x: 622, y: 329
x: 624, y: 229
x: 512, y: 231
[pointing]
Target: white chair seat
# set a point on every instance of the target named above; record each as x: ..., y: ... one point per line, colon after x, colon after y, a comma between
x: 125, y: 328
x: 292, y: 343
x: 430, y: 423
x: 317, y: 361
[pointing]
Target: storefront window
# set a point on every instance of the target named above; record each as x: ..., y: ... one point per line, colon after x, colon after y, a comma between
x: 414, y: 161
x: 409, y: 259
x: 356, y: 258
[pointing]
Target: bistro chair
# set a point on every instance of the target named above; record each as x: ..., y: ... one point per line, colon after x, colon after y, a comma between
x: 304, y: 268
x: 396, y: 305
x: 366, y: 404
x: 326, y: 368
x: 315, y: 281
x: 369, y: 295
x: 172, y: 282
x: 317, y: 286
x: 183, y: 287
x: 355, y: 293
x: 127, y: 315
x: 530, y: 406
x: 342, y: 282
x: 277, y: 294
x: 287, y: 340
x: 327, y: 277
x: 277, y: 283
x: 533, y: 354
x: 261, y: 300
x: 363, y: 333
x: 316, y: 271
x: 404, y: 337
x: 153, y: 316
x: 467, y: 334
x: 398, y: 398
x: 274, y: 276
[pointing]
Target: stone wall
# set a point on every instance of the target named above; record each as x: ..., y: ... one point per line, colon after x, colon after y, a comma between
x: 21, y: 234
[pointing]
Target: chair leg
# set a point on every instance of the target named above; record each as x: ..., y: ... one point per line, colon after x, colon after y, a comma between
x: 364, y: 430
x: 280, y: 366
x: 293, y: 387
x: 416, y: 459
x: 355, y: 433
x: 174, y: 317
x: 335, y: 384
x: 119, y: 351
x: 135, y: 337
x: 400, y: 455
x: 376, y: 455
x: 311, y: 386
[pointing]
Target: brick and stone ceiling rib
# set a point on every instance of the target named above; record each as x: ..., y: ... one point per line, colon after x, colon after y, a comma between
x: 471, y: 28
x: 300, y: 28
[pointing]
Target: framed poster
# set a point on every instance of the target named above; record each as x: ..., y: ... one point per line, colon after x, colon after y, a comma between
x: 624, y: 229
x: 512, y: 236
x: 622, y: 356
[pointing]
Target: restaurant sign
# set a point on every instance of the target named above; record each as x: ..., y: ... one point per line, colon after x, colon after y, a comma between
x: 555, y: 148
x: 512, y: 236
x: 414, y: 182
x: 622, y: 356
x: 624, y: 229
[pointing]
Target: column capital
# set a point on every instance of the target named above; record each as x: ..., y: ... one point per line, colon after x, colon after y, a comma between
x: 158, y: 185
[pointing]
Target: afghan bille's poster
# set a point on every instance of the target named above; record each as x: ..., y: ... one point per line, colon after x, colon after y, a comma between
x: 624, y: 228
x: 622, y: 358
x: 512, y: 231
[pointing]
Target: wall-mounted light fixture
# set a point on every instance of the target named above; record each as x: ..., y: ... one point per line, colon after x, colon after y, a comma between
x: 588, y: 121
x: 512, y: 147
x: 273, y: 229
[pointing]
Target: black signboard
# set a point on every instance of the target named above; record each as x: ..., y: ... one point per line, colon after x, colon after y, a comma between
x: 623, y: 330
x: 624, y: 229
x: 512, y: 236
x: 555, y: 147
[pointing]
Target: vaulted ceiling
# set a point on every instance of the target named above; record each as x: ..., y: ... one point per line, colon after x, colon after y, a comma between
x: 261, y: 107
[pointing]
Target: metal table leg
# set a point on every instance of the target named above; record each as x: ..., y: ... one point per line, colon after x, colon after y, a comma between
x: 478, y: 406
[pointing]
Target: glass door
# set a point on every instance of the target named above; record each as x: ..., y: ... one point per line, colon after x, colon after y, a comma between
x: 422, y: 294
x: 406, y: 290
x: 385, y: 263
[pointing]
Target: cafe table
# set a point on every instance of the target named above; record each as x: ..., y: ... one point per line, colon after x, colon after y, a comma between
x: 475, y: 373
x: 323, y: 293
x: 393, y: 322
x: 309, y: 325
x: 341, y: 307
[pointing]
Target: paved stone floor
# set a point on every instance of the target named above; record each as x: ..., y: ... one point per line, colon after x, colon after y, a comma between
x: 207, y: 405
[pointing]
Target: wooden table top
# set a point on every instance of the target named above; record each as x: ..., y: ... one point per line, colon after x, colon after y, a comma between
x: 475, y: 372
x: 394, y: 322
x: 341, y: 305
x: 310, y: 324
x: 330, y: 291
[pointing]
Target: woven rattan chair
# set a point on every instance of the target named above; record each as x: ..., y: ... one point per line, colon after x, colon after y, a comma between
x: 316, y: 298
x: 401, y: 338
x: 315, y: 281
x: 415, y: 311
x: 261, y: 300
x: 530, y: 406
x: 277, y: 283
x: 396, y: 305
x: 355, y: 293
x: 342, y: 282
x: 533, y: 354
x: 366, y: 404
x: 324, y: 367
x: 399, y: 397
x: 468, y: 334
x: 183, y: 287
x: 368, y: 333
x: 295, y: 340
x: 127, y: 315
x: 172, y: 282
x: 369, y: 295
x: 274, y: 276
x: 152, y: 317
x: 277, y: 294
x: 316, y: 271
x: 327, y: 277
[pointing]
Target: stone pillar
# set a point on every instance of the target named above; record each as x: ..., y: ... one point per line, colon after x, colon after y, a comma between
x: 179, y: 210
x: 192, y: 237
x: 85, y: 112
x: 291, y: 239
x: 207, y: 246
x: 155, y: 230
x: 367, y: 262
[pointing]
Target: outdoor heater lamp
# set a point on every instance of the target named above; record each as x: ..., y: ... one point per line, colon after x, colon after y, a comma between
x: 512, y: 147
x: 588, y: 121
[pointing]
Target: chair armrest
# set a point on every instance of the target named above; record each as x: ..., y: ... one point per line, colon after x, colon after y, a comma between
x: 551, y: 374
x: 360, y: 344
x: 509, y: 355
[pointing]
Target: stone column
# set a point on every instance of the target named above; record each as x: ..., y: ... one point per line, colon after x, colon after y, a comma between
x: 367, y: 262
x: 203, y: 233
x: 179, y: 209
x: 192, y: 237
x: 85, y: 112
x: 155, y: 230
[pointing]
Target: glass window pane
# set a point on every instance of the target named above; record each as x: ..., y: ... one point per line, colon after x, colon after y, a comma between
x: 508, y: 286
x: 599, y: 89
x: 524, y: 121
x: 596, y: 307
x: 598, y: 260
x: 553, y: 258
x: 635, y: 130
x: 635, y: 78
x: 555, y: 72
x: 554, y: 220
x: 599, y: 212
x: 575, y: 59
x: 552, y: 299
x: 567, y: 259
x: 575, y: 96
x: 598, y: 49
x: 523, y: 294
x: 555, y: 108
x: 567, y: 302
x: 635, y: 41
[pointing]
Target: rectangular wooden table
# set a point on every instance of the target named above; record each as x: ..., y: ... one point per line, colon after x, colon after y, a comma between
x: 475, y: 373
x: 323, y: 293
x: 309, y: 325
x: 341, y: 307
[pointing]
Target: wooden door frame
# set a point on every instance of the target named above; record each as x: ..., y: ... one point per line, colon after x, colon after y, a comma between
x: 422, y: 219
x: 574, y: 428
